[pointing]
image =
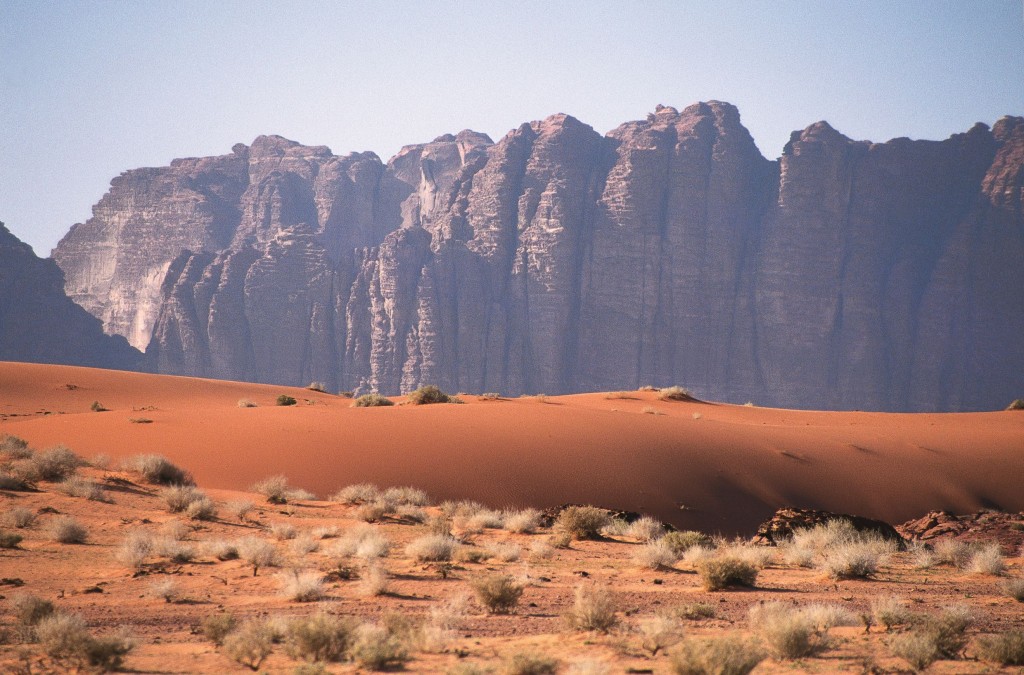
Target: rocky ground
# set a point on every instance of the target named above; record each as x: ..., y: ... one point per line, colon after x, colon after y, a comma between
x: 162, y: 597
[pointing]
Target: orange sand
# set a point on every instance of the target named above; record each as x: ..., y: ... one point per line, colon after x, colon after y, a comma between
x: 696, y: 465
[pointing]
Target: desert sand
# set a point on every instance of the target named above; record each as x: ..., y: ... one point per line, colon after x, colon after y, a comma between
x: 729, y: 466
x: 713, y: 467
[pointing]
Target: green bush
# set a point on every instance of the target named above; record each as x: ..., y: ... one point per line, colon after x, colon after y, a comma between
x: 372, y: 401
x: 285, y: 399
x: 582, y: 522
x: 10, y: 540
x: 722, y: 571
x: 429, y: 394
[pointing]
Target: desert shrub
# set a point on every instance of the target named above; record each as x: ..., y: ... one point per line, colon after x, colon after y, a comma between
x: 593, y: 609
x: 251, y: 644
x: 655, y: 555
x: 616, y: 527
x: 541, y: 550
x: 29, y: 609
x: 56, y: 463
x: 67, y: 530
x: 258, y: 553
x: 277, y: 490
x: 317, y: 387
x: 62, y: 636
x: 1015, y: 589
x: 305, y: 586
x: 240, y: 509
x: 475, y: 522
x: 410, y: 513
x: 853, y: 560
x: 471, y: 554
x: 1016, y: 404
x: 933, y: 637
x: 372, y: 401
x: 283, y: 531
x: 953, y: 552
x: 376, y: 648
x: 285, y: 400
x: 17, y: 483
x: 728, y: 655
x: 582, y: 522
x: 173, y: 550
x: 15, y: 447
x: 432, y: 548
x: 407, y: 495
x: 215, y: 627
x: 177, y: 498
x: 246, y: 403
x: 19, y: 517
x: 674, y: 394
x: 363, y: 541
x: 1006, y: 649
x: 221, y: 549
x: 498, y: 593
x: 96, y: 406
x: 503, y: 551
x: 76, y: 486
x: 176, y: 529
x: 10, y: 540
x: 988, y: 559
x: 359, y: 493
x: 158, y: 470
x: 201, y: 509
x: 724, y: 570
x: 374, y: 581
x: 305, y: 544
x: 135, y: 548
x: 428, y: 394
x: 890, y: 611
x: 489, y: 396
x: 530, y: 663
x: 795, y: 632
x: 167, y: 590
x: 373, y: 512
x: 658, y: 633
x: 916, y: 648
x: 646, y: 529
x: 525, y: 521
x: 320, y: 637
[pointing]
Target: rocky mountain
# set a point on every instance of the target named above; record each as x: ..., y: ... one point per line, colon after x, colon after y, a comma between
x: 38, y: 323
x: 846, y: 274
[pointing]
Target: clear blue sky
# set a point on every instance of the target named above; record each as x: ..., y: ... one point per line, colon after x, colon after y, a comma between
x: 90, y: 89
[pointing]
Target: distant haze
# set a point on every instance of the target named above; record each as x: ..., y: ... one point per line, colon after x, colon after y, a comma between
x: 88, y: 90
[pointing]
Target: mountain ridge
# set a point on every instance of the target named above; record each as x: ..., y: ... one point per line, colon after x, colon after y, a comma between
x: 845, y: 274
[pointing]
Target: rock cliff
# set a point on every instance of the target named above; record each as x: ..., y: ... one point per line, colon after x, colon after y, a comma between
x: 847, y: 274
x: 40, y: 324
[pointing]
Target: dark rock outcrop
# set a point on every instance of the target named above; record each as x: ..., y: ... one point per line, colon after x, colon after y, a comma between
x: 846, y: 274
x: 786, y: 521
x: 40, y: 324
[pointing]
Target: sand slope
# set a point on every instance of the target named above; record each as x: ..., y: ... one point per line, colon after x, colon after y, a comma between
x: 696, y: 465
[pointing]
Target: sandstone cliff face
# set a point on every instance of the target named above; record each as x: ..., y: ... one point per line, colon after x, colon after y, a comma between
x: 40, y: 324
x: 845, y: 275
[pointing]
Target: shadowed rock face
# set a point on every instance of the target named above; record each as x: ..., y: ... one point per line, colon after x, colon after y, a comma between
x: 844, y: 275
x: 39, y: 324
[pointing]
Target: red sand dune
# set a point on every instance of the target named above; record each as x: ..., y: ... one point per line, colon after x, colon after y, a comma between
x: 697, y: 465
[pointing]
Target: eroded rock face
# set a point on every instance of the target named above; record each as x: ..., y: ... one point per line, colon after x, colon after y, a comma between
x: 40, y: 324
x: 846, y: 274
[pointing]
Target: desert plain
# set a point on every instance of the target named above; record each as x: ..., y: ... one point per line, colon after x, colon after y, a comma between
x: 490, y: 475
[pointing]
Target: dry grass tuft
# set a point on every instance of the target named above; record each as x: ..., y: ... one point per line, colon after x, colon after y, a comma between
x: 593, y: 609
x: 498, y: 593
x: 67, y: 530
x: 582, y: 522
x: 728, y: 655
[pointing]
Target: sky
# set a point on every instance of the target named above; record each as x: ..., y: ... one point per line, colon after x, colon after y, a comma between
x: 91, y: 89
